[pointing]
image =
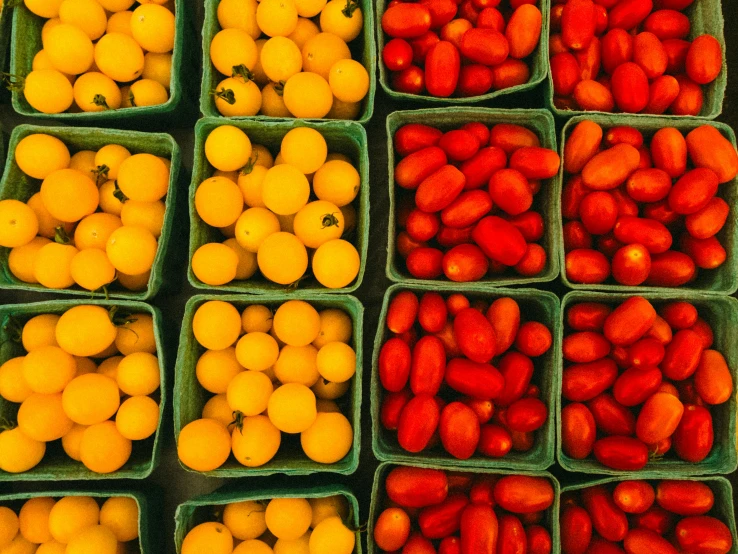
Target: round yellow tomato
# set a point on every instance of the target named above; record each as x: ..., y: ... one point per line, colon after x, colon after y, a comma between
x: 297, y: 323
x: 305, y: 149
x: 34, y: 519
x: 42, y: 418
x: 335, y: 325
x: 138, y: 374
x: 251, y: 183
x: 280, y: 58
x: 39, y: 155
x: 137, y: 417
x: 147, y: 92
x: 239, y: 14
x: 53, y: 265
x: 249, y: 392
x: 218, y: 201
x: 245, y: 520
x: 336, y: 263
x: 247, y: 265
x: 72, y: 440
x: 93, y: 540
x: 217, y: 408
x: 39, y: 331
x: 214, y: 538
x: 308, y: 96
x: 19, y: 452
x: 260, y: 77
x: 227, y: 148
x: 328, y: 506
x: 272, y: 101
x: 328, y: 439
x: 328, y: 390
x: 254, y: 226
x: 216, y: 368
x: 297, y: 546
x: 91, y: 269
x: 304, y: 31
x: 13, y: 387
x: 235, y: 97
x: 120, y: 22
x: 285, y: 189
x: 337, y: 181
x: 116, y: 5
x: 322, y: 51
x: 158, y: 67
x: 134, y: 282
x: 87, y: 15
x: 47, y: 223
x: 215, y: 264
x: 44, y: 8
x: 349, y: 81
x: 9, y: 526
x: 254, y: 546
x: 342, y: 19
x: 47, y: 370
x: 109, y: 202
x: 152, y: 27
x: 344, y: 110
x: 85, y: 330
x: 120, y: 515
x: 48, y: 91
x: 282, y: 258
x: 318, y: 222
x: 203, y: 445
x: 95, y: 230
x: 70, y: 49
x: 297, y: 364
x: 144, y: 177
x: 18, y: 223
x: 256, y: 317
x: 292, y: 408
x: 119, y: 57
x: 331, y: 536
x: 109, y: 159
x: 91, y: 398
x: 277, y: 18
x: 232, y: 48
x: 131, y: 250
x: 256, y: 442
x: 103, y: 449
x: 336, y: 362
x: 288, y: 518
x: 72, y: 514
x: 149, y: 215
x: 216, y: 324
x: 69, y: 195
x: 257, y: 351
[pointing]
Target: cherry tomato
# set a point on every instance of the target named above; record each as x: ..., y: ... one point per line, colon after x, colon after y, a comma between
x: 608, y: 519
x: 685, y: 498
x: 415, y: 136
x: 578, y: 431
x: 612, y: 418
x: 479, y: 530
x: 442, y: 66
x: 392, y: 406
x: 402, y: 312
x: 522, y: 494
x: 444, y: 519
x: 704, y: 535
x: 576, y: 530
x: 621, y: 453
x: 397, y: 54
x: 414, y: 487
x: 473, y: 379
x: 394, y: 364
x: 406, y: 20
x: 427, y: 366
x: 418, y: 421
x: 634, y: 497
x: 460, y: 432
x: 694, y: 437
x: 392, y: 529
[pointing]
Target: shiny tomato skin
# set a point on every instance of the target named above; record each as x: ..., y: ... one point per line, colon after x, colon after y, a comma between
x: 439, y: 189
x: 587, y: 266
x: 418, y: 421
x: 538, y: 540
x: 500, y: 240
x: 484, y: 46
x: 644, y: 541
x: 422, y: 226
x: 509, y: 190
x: 450, y: 545
x: 611, y: 417
x: 608, y: 520
x: 682, y: 355
x: 629, y: 321
x: 468, y: 208
x: 571, y: 197
x: 444, y: 519
x: 708, y: 221
x: 460, y: 430
x: 392, y: 406
x: 517, y: 370
x: 659, y: 417
x: 397, y: 54
x: 432, y: 312
x: 598, y: 212
x: 653, y: 235
x: 406, y: 20
x: 621, y: 453
x: 526, y: 415
x: 578, y: 431
x: 713, y: 379
x: 414, y: 487
x: 425, y: 263
x: 533, y: 339
x: 473, y: 379
x: 402, y: 312
x: 495, y: 441
x: 530, y: 224
x: 459, y: 144
x: 504, y: 315
x: 693, y: 191
x: 587, y: 316
x: 576, y: 530
x: 480, y: 167
x: 479, y: 530
x: 636, y: 384
x: 414, y: 168
x: 484, y: 409
x: 442, y: 66
x: 535, y: 162
x: 465, y: 262
x: 475, y: 335
x: 694, y: 437
x: 415, y: 136
x: 585, y: 347
x: 703, y: 329
x: 510, y: 137
x: 482, y: 490
x: 631, y: 264
x: 704, y: 535
x: 522, y: 494
x: 418, y: 544
x: 655, y: 519
x: 648, y: 185
x: 442, y: 11
x: 685, y: 498
x: 392, y: 529
x: 428, y: 366
x: 511, y: 539
x: 583, y: 382
x: 406, y: 244
x: 634, y: 497
x: 448, y: 237
x: 394, y: 364
x: 671, y: 269
x: 646, y: 352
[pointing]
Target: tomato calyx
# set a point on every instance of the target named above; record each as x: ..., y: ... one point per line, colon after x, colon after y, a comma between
x: 12, y: 329
x: 61, y: 236
x: 351, y: 7
x: 238, y: 419
x: 132, y: 99
x: 12, y: 81
x: 120, y: 317
x: 119, y: 194
x: 329, y: 220
x: 6, y: 425
x: 101, y: 174
x: 243, y: 72
x: 225, y: 94
x: 249, y: 167
x: 279, y: 88
x: 100, y: 101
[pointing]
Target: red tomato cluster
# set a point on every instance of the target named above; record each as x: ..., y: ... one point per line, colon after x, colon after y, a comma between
x: 642, y: 517
x: 624, y: 55
x: 440, y: 381
x: 644, y: 214
x: 436, y: 512
x: 641, y: 381
x: 461, y: 47
x: 466, y: 208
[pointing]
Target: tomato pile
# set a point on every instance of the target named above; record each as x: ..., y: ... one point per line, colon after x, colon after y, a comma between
x: 262, y: 205
x: 643, y: 517
x: 645, y: 213
x: 439, y: 381
x: 641, y: 381
x: 271, y: 373
x: 72, y: 524
x: 95, y: 220
x: 462, y: 48
x: 468, y: 211
x: 87, y: 377
x: 301, y: 68
x: 320, y: 525
x: 462, y: 513
x: 101, y: 55
x: 623, y: 55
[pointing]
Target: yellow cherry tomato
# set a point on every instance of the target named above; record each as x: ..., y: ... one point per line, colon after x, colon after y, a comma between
x: 285, y: 189
x: 292, y: 408
x: 158, y: 67
x: 42, y: 418
x: 328, y: 390
x: 280, y: 58
x: 305, y: 149
x: 309, y: 8
x: 138, y: 374
x: 103, y: 448
x: 9, y: 526
x: 218, y: 201
x: 337, y: 181
x: 277, y: 17
x: 91, y: 269
x: 137, y: 417
x: 48, y: 369
x: 203, y: 445
x: 216, y: 368
x: 257, y: 72
x: 282, y: 258
x: 19, y: 452
x: 147, y: 92
x: 344, y: 110
x: 335, y: 326
x: 209, y: 537
x: 119, y: 57
x: 288, y: 518
x: 257, y: 351
x: 318, y: 222
x: 19, y: 545
x: 70, y: 49
x: 256, y: 442
x: 336, y: 263
x: 227, y: 148
x: 247, y: 265
x: 256, y: 317
x: 131, y: 250
x: 69, y: 195
x: 235, y: 97
x: 331, y: 536
x: 71, y: 515
x: 239, y: 14
x: 109, y: 159
x: 215, y: 264
x: 149, y: 215
x: 120, y: 515
x: 297, y: 546
x: 116, y: 5
x: 84, y: 366
x: 48, y: 91
x: 322, y: 51
x: 13, y: 386
x: 254, y: 546
x: 84, y: 162
x: 272, y: 101
x: 342, y: 18
x: 87, y: 15
x: 47, y: 223
x: 328, y: 506
x: 143, y: 177
x: 251, y: 182
x: 109, y: 202
x: 39, y: 155
x: 308, y: 96
x: 216, y: 325
x: 349, y: 81
x: 33, y: 519
x: 136, y: 335
x: 53, y: 266
x: 254, y: 226
x: 72, y: 440
x: 44, y: 8
x: 93, y: 540
x: 336, y: 362
x: 91, y: 398
x: 304, y: 31
x: 328, y: 439
x: 134, y: 282
x: 245, y: 520
x: 296, y: 323
x: 261, y: 156
x: 232, y: 51
x: 297, y: 364
x: 249, y: 392
x: 217, y: 408
x: 18, y: 223
x: 39, y: 331
x: 120, y: 22
x: 85, y: 330
x: 152, y: 26
x: 95, y: 230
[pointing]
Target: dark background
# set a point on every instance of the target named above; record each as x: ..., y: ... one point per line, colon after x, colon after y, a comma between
x: 170, y: 484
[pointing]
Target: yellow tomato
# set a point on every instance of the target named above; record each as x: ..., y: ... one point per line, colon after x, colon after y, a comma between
x: 52, y: 547
x: 331, y: 536
x: 328, y: 439
x: 216, y: 368
x: 91, y: 269
x: 216, y: 325
x: 116, y: 5
x: 328, y: 506
x: 87, y: 15
x: 277, y: 18
x: 48, y: 91
x: 19, y: 545
x: 247, y: 265
x: 288, y: 518
x: 272, y: 101
x: 232, y: 51
x: 120, y: 22
x: 336, y: 263
x: 322, y: 51
x: 250, y: 184
x: 72, y: 440
x: 119, y: 57
x: 337, y: 181
x: 91, y: 398
x: 152, y: 27
x: 136, y: 335
x: 292, y: 408
x: 85, y: 330
x: 71, y: 515
x: 328, y: 390
x: 131, y: 250
x: 84, y: 162
x: 239, y: 14
x: 42, y: 418
x: 256, y: 442
x: 261, y: 156
x: 53, y: 265
x: 39, y: 155
x: 280, y: 58
x: 158, y: 67
x: 149, y: 215
x: 217, y: 408
x: 344, y: 110
x: 18, y: 223
x: 33, y: 519
x: 109, y: 159
x: 218, y: 201
x: 254, y: 226
x: 44, y: 8
x: 297, y: 364
x: 9, y: 526
x: 203, y: 445
x: 285, y: 189
x: 256, y: 317
x: 109, y: 202
x: 19, y: 452
x: 235, y: 97
x: 138, y: 374
x: 48, y: 369
x: 22, y: 259
x: 147, y: 92
x: 95, y: 230
x: 253, y: 547
x: 336, y: 362
x: 227, y: 148
x: 297, y: 323
x: 214, y: 538
x: 144, y: 177
x: 68, y: 195
x: 260, y: 77
x: 70, y: 49
x: 137, y: 417
x: 215, y: 264
x: 93, y: 540
x: 304, y: 31
x: 282, y: 258
x: 257, y: 351
x: 134, y: 282
x: 249, y: 392
x: 318, y: 222
x: 245, y: 520
x: 120, y: 515
x: 304, y: 148
x: 309, y: 8
x: 39, y: 331
x: 297, y: 546
x: 342, y: 19
x: 47, y: 223
x: 103, y: 448
x: 308, y: 96
x: 335, y: 325
x: 349, y: 80
x: 13, y: 386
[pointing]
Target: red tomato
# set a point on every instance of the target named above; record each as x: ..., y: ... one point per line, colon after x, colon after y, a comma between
x: 585, y: 346
x: 709, y: 148
x: 666, y: 24
x: 418, y: 421
x: 432, y: 312
x: 631, y: 264
x: 533, y: 339
x: 571, y: 196
x: 704, y: 535
x: 608, y: 520
x: 454, y: 30
x: 704, y: 59
x: 703, y: 329
x: 671, y: 269
x: 522, y: 442
x: 659, y: 417
x: 565, y: 73
x: 479, y: 530
x: 629, y: 321
x: 654, y: 236
x: 491, y: 18
x: 598, y: 212
x: 397, y: 54
x: 482, y: 165
x: 586, y: 266
x: 510, y: 137
x: 656, y: 519
x: 484, y: 46
x: 406, y: 20
x: 694, y: 437
x: 479, y: 130
x: 682, y: 355
x: 621, y: 453
x: 459, y: 144
x: 539, y: 540
x: 669, y: 151
x: 578, y: 22
x: 512, y: 539
x: 635, y: 385
x: 494, y: 441
x: 500, y: 240
x: 611, y: 417
x: 648, y: 185
x: 460, y: 431
x: 645, y: 353
x: 394, y: 364
x: 482, y: 490
x: 402, y: 311
x: 484, y: 409
x: 465, y: 262
x: 617, y: 49
x: 450, y: 545
x: 523, y: 31
x: 468, y: 208
x: 392, y: 406
x: 392, y: 529
x: 504, y: 315
x: 583, y: 382
x: 517, y: 370
x: 708, y: 221
x: 526, y: 415
x: 713, y: 379
x: 530, y: 224
x: 448, y: 237
x: 578, y: 431
x: 475, y: 335
x: 473, y: 379
x: 630, y: 87
x: 628, y: 14
x: 576, y: 530
x: 414, y: 487
x: 535, y: 162
x: 449, y: 340
x: 425, y: 263
x: 422, y: 226
x: 418, y: 166
x: 508, y: 189
x: 439, y: 189
x: 685, y: 498
x: 634, y: 497
x: 444, y: 519
x: 679, y: 315
x: 428, y: 366
x: 707, y: 253
x: 442, y: 66
x: 522, y: 494
x: 650, y: 55
x: 442, y: 11
x: 643, y: 541
x: 415, y: 136
x: 693, y: 191
x: 418, y: 544
x: 661, y: 94
x: 587, y: 316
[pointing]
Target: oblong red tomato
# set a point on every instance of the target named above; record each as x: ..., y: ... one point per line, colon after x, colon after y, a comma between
x: 648, y: 185
x: 428, y: 366
x: 459, y: 429
x: 656, y: 519
x: 511, y: 539
x: 654, y: 236
x: 402, y: 312
x: 482, y: 165
x: 587, y: 316
x: 432, y: 312
x: 571, y: 196
x: 690, y: 99
x: 713, y: 379
x: 392, y: 529
x: 585, y: 346
x: 439, y: 189
x: 706, y: 253
x: 610, y: 168
x: 669, y: 151
x: 704, y: 59
x: 644, y: 541
x: 475, y: 335
x: 576, y: 530
x: 473, y: 379
x: 468, y: 208
x: 442, y: 11
x: 693, y: 191
x: 630, y: 87
x: 418, y: 166
x: 504, y: 315
x: 539, y: 540
x: 394, y: 364
x: 523, y: 30
x: 682, y: 355
x: 509, y: 190
x: 671, y: 269
x: 635, y: 385
x: 484, y: 409
x: 631, y: 264
x: 510, y: 137
x: 598, y: 212
x: 517, y: 371
x: 621, y: 453
x: 459, y: 144
x: 608, y: 520
x: 485, y: 46
x: 709, y: 148
x: 578, y: 431
x: 526, y: 415
x: 465, y: 262
x: 581, y: 145
x: 576, y: 237
x: 535, y: 162
x: 479, y: 530
x: 442, y: 66
x: 659, y: 417
x: 694, y: 437
x: 645, y: 353
x: 676, y: 51
x: 522, y: 494
x: 406, y: 20
x: 685, y: 498
x: 704, y: 535
x: 679, y: 315
x: 629, y: 321
x: 583, y: 382
x: 578, y: 22
x: 425, y: 262
x: 666, y: 24
x: 650, y: 54
x: 708, y: 221
x: 495, y: 441
x: 634, y: 497
x: 628, y: 14
x: 415, y: 487
x: 510, y: 73
x: 661, y: 94
x: 418, y: 421
x: 617, y: 48
x: 418, y: 544
x: 415, y: 136
x: 422, y: 226
x: 444, y: 519
x: 448, y: 237
x: 592, y: 95
x: 500, y: 240
x: 533, y: 339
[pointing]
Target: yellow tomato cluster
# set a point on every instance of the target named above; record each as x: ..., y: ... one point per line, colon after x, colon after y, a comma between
x: 302, y: 66
x: 277, y: 526
x: 85, y: 381
x: 101, y: 55
x: 96, y: 218
x: 70, y: 525
x: 270, y: 373
x: 263, y: 207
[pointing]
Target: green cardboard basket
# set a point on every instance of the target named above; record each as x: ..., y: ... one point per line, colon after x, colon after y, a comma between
x: 346, y: 137
x: 380, y: 500
x: 16, y: 500
x: 722, y: 315
x: 724, y: 279
x: 17, y: 185
x: 5, y: 19
x: 723, y: 508
x: 706, y: 17
x: 536, y: 305
x: 56, y: 465
x: 209, y: 507
x: 190, y: 397
x: 545, y: 202
x: 363, y: 49
x: 26, y: 42
x: 537, y: 62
